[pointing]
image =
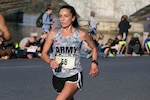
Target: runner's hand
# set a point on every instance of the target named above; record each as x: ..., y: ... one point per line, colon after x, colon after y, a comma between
x: 53, y: 64
x: 94, y: 71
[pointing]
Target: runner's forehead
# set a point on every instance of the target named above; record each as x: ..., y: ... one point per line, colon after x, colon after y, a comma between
x: 65, y: 11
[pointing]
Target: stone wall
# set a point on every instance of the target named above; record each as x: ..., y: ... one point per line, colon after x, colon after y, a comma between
x: 11, y: 5
x: 108, y: 12
x: 109, y: 26
x: 108, y: 9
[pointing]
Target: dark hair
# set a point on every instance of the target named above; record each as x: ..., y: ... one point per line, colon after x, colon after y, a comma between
x: 72, y: 10
x: 48, y: 8
x: 124, y: 17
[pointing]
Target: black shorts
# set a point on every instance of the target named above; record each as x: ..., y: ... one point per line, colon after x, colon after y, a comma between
x: 58, y: 83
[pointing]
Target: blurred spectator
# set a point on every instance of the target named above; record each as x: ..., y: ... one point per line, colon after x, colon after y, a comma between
x: 146, y: 27
x: 47, y: 20
x: 134, y: 48
x: 146, y: 45
x: 21, y: 52
x: 31, y: 47
x: 92, y: 21
x: 95, y: 38
x: 22, y: 43
x: 124, y: 26
x: 118, y: 45
x: 107, y: 47
x: 40, y: 42
x: 98, y: 40
x: 28, y: 46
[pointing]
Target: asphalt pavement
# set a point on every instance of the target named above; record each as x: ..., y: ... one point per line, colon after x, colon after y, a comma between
x: 120, y: 78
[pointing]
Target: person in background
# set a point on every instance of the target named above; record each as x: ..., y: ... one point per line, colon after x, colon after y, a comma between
x: 40, y: 42
x: 47, y: 20
x: 30, y: 47
x: 98, y: 40
x: 65, y: 61
x: 92, y: 21
x: 124, y: 26
x: 146, y: 45
x: 107, y: 48
x: 146, y: 26
x: 118, y: 45
x: 134, y: 47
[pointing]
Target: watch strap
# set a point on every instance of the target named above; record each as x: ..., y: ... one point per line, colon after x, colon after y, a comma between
x: 95, y: 61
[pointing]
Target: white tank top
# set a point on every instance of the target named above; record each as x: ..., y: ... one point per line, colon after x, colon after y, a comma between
x: 68, y: 49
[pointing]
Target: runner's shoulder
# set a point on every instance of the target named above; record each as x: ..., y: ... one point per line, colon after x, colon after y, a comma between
x: 83, y: 34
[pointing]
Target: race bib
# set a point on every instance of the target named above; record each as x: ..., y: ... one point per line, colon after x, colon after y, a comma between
x: 67, y: 62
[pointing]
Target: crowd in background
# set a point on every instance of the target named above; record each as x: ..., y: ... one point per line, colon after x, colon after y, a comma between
x: 119, y: 46
x: 32, y: 46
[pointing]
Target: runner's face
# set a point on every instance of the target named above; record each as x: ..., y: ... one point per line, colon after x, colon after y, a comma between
x: 65, y: 17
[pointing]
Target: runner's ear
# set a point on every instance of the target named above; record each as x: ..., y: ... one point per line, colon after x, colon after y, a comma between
x: 73, y: 18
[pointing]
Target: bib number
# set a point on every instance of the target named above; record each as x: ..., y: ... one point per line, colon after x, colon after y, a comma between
x: 67, y: 62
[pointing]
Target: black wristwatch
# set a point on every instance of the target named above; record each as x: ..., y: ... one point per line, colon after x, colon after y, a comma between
x: 95, y: 61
